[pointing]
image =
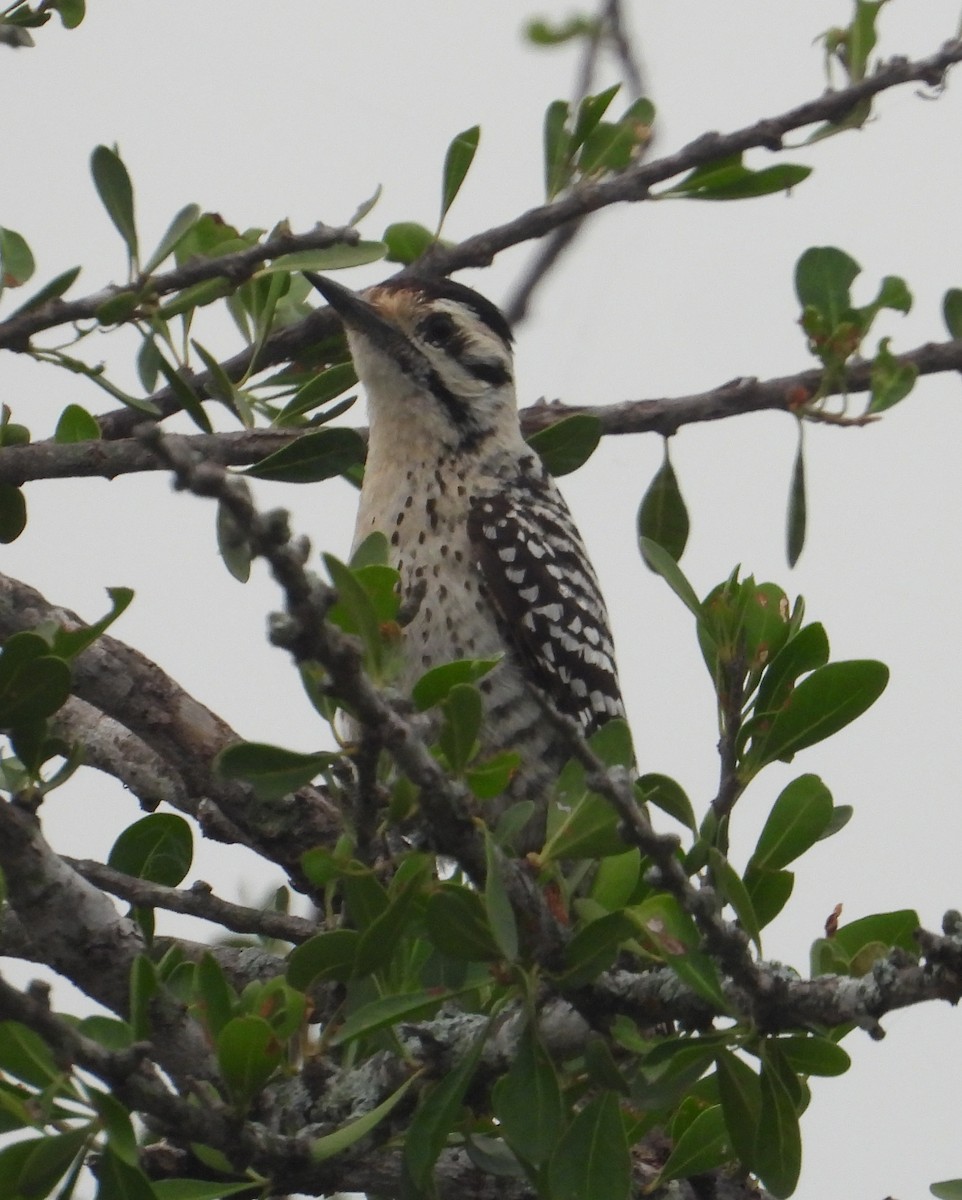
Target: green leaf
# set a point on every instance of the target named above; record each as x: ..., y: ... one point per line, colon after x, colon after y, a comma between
x: 215, y: 997
x: 662, y: 516
x: 357, y: 607
x: 12, y: 434
x: 312, y: 457
x: 797, y: 505
x: 381, y: 1014
x: 272, y: 771
x: 896, y: 928
x: 592, y: 1158
x: 13, y: 513
x: 542, y: 33
x: 119, y: 308
x: 374, y: 551
x: 334, y: 1143
x: 806, y: 651
x: 25, y: 1056
x: 50, y: 291
x: 730, y: 180
x: 143, y: 987
x: 16, y: 259
x: 589, y: 829
x: 497, y: 906
x: 594, y: 948
x: 669, y: 796
x: 822, y: 704
x: 702, y: 1147
x: 71, y: 12
x: 198, y: 295
x: 739, y: 1090
x: 108, y: 1031
x: 116, y: 193
x: 796, y: 822
x: 326, y: 956
x: 490, y: 778
x: 457, y: 924
x: 317, y: 391
x: 436, y: 1116
x: 329, y: 258
x: 76, y: 425
x: 673, y: 935
x: 118, y: 1180
x: 158, y: 847
x: 435, y: 685
x: 658, y: 559
x: 590, y: 111
x: 778, y: 1145
x: 233, y: 544
x: 823, y: 279
x: 248, y: 1053
x: 116, y: 1123
x: 457, y: 163
x: 33, y: 683
x: 185, y: 395
x: 947, y: 1189
x: 769, y: 892
x: 732, y: 888
x: 813, y: 1055
x: 527, y: 1101
x: 952, y: 315
x: 463, y: 714
x: 612, y: 743
x: 891, y: 380
x: 568, y: 444
x: 557, y: 148
x: 178, y: 229
x: 407, y: 241
x: 616, y: 879
x: 382, y: 937
x: 49, y: 1162
x: 219, y: 384
x: 68, y: 643
x: 198, y: 1189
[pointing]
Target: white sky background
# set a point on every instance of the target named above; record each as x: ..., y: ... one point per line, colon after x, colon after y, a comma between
x: 299, y: 109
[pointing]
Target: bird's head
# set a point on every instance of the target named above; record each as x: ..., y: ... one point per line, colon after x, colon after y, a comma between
x: 433, y: 355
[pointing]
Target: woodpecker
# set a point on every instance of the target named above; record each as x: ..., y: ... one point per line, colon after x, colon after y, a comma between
x: 474, y: 519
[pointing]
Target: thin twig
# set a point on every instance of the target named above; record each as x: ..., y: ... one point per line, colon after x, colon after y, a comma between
x: 609, y: 27
x: 196, y: 901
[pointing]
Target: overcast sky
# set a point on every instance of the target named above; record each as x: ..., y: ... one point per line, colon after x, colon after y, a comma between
x: 300, y: 109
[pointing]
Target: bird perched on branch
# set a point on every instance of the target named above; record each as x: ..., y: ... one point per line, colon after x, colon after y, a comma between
x: 469, y: 509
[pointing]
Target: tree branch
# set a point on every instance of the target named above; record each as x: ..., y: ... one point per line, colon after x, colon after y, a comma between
x: 16, y: 331
x: 111, y: 748
x: 665, y: 416
x: 631, y: 186
x: 635, y: 183
x: 84, y: 938
x: 196, y: 901
x: 122, y: 683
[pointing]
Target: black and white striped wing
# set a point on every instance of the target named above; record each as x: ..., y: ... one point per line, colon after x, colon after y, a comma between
x: 538, y: 577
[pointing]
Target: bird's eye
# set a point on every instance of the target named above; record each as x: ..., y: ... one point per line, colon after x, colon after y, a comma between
x: 438, y: 328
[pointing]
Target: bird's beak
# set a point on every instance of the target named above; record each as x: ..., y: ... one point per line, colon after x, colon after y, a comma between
x: 361, y: 316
